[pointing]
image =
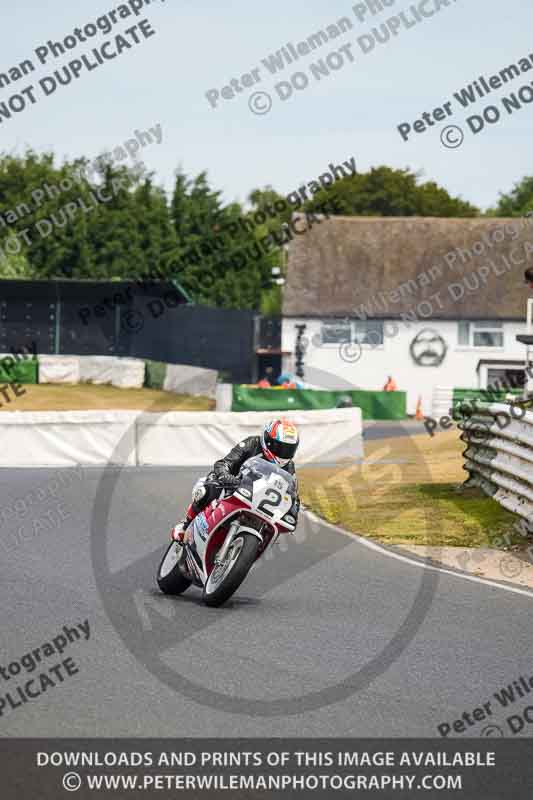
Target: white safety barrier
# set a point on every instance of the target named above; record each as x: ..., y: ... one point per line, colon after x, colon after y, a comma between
x: 193, y: 438
x: 499, y: 455
x: 67, y: 438
x: 442, y: 401
x: 59, y: 369
x: 129, y: 374
x: 97, y: 369
x: 224, y: 396
x: 326, y: 436
x: 183, y: 379
x: 124, y: 373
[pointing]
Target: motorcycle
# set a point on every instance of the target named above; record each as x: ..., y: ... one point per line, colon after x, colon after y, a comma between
x: 225, y: 540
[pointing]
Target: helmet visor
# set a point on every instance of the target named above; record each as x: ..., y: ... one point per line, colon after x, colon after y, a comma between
x: 285, y: 450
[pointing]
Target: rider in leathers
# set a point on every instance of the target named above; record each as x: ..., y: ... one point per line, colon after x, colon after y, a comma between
x: 278, y: 444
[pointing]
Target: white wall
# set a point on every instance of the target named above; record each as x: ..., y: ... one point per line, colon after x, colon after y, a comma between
x: 324, y: 367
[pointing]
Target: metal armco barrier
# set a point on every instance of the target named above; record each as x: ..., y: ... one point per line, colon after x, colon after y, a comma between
x: 499, y: 455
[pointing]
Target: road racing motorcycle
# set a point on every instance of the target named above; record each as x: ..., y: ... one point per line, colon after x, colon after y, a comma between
x: 225, y: 539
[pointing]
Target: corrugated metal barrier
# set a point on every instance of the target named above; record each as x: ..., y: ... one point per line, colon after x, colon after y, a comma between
x: 499, y: 455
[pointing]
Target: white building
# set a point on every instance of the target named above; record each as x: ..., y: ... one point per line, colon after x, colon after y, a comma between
x: 432, y: 302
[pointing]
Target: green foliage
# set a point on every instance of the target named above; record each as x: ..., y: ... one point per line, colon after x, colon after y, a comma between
x: 271, y: 302
x: 388, y: 192
x: 15, y: 268
x: 115, y: 225
x: 122, y: 225
x: 218, y: 258
x: 518, y: 202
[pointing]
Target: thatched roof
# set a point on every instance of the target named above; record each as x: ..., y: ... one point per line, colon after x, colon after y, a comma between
x: 390, y: 264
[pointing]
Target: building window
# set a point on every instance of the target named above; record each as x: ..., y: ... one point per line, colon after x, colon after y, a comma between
x: 369, y: 331
x: 336, y: 333
x: 361, y: 331
x: 480, y: 334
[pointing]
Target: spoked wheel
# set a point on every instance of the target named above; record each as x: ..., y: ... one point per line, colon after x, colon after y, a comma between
x: 226, y: 576
x: 170, y: 578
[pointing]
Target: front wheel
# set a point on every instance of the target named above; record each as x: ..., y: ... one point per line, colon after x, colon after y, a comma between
x: 170, y: 578
x: 225, y: 578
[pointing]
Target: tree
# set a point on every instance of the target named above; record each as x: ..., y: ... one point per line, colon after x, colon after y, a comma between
x: 33, y: 194
x: 67, y: 225
x: 218, y: 254
x: 14, y: 268
x: 388, y: 192
x: 518, y: 202
x: 157, y: 235
x: 57, y: 222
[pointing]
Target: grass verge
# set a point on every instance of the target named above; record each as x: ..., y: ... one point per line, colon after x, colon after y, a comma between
x: 408, y: 493
x: 88, y: 397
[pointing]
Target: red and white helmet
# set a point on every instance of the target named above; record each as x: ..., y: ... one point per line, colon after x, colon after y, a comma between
x: 280, y: 441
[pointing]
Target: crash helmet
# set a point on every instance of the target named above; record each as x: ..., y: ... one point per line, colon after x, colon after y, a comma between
x: 280, y: 441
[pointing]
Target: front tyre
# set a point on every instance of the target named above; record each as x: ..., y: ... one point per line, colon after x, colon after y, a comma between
x: 170, y: 578
x: 225, y: 578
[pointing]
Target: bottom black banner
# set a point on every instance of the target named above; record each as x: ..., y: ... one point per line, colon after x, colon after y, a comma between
x: 50, y: 769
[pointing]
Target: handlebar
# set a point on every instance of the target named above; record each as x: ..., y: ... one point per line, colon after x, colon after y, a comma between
x: 222, y: 484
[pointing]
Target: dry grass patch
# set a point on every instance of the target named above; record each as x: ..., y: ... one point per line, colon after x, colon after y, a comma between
x: 88, y: 397
x: 407, y: 491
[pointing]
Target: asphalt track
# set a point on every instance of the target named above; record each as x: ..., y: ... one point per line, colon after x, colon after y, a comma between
x: 301, y: 624
x: 391, y: 429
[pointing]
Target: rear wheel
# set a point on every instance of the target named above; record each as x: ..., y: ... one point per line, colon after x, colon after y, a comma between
x: 170, y: 578
x: 225, y: 578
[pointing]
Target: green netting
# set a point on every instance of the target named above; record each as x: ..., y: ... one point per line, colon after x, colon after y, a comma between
x: 23, y: 371
x: 483, y: 395
x: 380, y: 405
x: 374, y: 405
x: 155, y: 374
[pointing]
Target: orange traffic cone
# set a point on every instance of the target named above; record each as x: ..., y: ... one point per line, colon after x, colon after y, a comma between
x: 418, y: 412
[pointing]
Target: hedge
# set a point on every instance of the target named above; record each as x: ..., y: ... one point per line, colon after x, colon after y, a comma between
x: 374, y: 405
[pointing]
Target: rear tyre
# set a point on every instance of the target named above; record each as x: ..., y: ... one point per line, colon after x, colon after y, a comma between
x: 226, y: 578
x: 170, y: 578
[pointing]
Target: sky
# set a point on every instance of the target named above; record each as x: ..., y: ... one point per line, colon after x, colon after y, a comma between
x: 354, y: 111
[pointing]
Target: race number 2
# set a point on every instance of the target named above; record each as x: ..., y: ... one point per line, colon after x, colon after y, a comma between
x: 272, y: 499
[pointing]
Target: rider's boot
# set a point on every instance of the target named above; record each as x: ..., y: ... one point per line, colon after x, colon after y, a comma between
x: 178, y: 531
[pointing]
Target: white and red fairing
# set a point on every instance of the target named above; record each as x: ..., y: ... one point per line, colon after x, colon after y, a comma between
x: 209, y: 529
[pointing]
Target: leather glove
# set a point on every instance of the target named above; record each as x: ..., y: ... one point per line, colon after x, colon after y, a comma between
x: 229, y: 481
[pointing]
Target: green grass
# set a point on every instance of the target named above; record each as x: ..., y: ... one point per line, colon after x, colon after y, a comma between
x: 394, y: 503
